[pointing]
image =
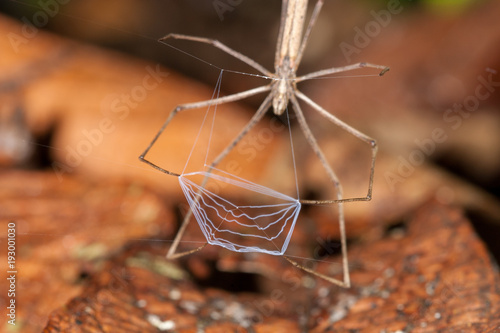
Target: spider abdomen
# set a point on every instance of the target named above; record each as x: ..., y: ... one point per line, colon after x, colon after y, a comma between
x: 280, y: 100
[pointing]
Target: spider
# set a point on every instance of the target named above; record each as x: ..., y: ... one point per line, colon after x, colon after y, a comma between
x: 282, y: 92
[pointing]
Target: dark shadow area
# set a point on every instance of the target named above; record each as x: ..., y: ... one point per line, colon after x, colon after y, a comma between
x: 41, y: 157
x: 329, y: 247
x: 229, y: 281
x: 452, y: 162
x: 488, y: 230
x: 396, y: 228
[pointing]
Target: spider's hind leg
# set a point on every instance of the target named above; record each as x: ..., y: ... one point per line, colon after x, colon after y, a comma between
x: 339, y: 201
x: 253, y: 121
x: 185, y: 107
x: 171, y: 254
x: 372, y: 143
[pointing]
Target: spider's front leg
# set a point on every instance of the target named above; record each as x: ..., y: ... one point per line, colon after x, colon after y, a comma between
x: 191, y: 106
x: 222, y: 47
x: 253, y: 121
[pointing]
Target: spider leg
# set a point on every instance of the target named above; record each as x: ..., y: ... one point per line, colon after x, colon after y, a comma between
x: 371, y: 142
x: 334, y: 179
x: 222, y: 47
x: 254, y: 120
x: 334, y: 70
x: 344, y: 284
x: 196, y: 105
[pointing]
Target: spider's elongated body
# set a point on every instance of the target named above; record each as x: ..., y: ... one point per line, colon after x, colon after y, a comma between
x: 282, y: 91
x: 286, y: 61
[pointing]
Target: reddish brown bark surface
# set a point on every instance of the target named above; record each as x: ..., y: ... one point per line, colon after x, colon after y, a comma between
x: 435, y: 277
x: 64, y: 230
